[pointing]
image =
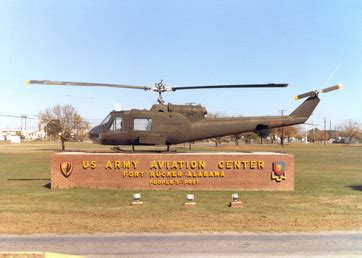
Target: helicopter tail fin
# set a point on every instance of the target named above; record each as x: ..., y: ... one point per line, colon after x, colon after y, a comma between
x: 306, y: 108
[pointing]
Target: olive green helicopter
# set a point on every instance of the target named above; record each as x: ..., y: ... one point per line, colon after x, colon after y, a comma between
x: 169, y: 124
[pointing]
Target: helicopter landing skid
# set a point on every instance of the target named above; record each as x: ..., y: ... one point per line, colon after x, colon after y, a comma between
x: 119, y: 150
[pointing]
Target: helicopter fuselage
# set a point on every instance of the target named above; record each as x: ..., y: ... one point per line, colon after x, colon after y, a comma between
x: 173, y: 124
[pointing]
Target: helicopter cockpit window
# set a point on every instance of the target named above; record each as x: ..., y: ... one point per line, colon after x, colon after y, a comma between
x: 142, y: 124
x: 116, y: 124
x: 106, y: 120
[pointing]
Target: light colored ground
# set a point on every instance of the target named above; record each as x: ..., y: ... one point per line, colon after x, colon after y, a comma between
x: 328, y: 196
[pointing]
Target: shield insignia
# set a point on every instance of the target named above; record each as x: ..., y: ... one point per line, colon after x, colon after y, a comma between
x: 66, y: 168
x: 279, y: 168
x: 279, y: 173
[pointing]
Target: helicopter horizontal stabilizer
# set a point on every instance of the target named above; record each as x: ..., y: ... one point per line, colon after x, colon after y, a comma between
x: 316, y: 92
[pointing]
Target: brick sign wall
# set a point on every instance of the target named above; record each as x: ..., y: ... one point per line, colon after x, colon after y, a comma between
x: 233, y: 171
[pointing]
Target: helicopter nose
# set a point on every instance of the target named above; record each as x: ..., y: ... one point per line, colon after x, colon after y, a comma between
x: 94, y: 133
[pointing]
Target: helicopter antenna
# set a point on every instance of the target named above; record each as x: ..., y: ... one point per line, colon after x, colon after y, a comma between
x: 117, y: 106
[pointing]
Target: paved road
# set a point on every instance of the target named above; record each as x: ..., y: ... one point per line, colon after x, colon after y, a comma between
x: 336, y: 244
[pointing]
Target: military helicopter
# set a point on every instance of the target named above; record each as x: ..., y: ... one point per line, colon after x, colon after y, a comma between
x: 168, y: 124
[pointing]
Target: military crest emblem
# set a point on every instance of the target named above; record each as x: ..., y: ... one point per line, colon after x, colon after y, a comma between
x: 66, y: 168
x: 278, y: 174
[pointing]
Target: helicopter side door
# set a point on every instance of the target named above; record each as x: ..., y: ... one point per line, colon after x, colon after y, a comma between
x: 171, y: 125
x: 143, y: 127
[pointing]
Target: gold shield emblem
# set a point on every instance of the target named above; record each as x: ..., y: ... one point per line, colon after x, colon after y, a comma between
x: 66, y: 168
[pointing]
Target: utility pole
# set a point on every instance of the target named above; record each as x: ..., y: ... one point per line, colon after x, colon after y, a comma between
x: 25, y: 117
x: 282, y: 135
x: 324, y: 133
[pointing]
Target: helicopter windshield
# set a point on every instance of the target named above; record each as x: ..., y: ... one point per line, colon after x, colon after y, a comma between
x: 106, y: 120
x: 116, y: 124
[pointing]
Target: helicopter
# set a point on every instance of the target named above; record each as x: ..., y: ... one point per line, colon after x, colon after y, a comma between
x: 169, y: 124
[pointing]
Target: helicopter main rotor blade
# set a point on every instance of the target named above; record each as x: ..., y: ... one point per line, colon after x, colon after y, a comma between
x: 316, y: 92
x: 268, y: 85
x: 47, y: 82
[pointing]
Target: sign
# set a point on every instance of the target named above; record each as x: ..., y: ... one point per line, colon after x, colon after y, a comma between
x: 234, y: 171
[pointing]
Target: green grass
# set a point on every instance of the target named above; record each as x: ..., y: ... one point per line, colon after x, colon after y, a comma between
x: 327, y: 196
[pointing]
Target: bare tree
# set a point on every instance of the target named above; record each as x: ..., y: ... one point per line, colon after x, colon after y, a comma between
x: 290, y: 132
x: 350, y: 130
x: 236, y: 138
x: 64, y: 123
x: 248, y: 137
x: 300, y: 133
x: 315, y: 135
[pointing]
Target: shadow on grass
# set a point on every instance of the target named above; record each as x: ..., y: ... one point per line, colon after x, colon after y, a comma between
x: 47, y: 186
x: 28, y: 179
x: 356, y: 187
x: 47, y: 149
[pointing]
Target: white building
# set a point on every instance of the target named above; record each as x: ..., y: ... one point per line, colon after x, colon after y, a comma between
x: 34, y: 134
x: 30, y: 134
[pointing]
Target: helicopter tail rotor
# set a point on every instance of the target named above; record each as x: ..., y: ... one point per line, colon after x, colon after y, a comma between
x: 316, y: 92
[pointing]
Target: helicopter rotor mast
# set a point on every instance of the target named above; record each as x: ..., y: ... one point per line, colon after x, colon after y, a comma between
x: 158, y: 87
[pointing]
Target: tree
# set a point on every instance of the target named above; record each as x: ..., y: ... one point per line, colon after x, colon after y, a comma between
x: 262, y: 132
x: 350, y: 130
x: 300, y: 135
x: 274, y: 134
x: 248, y: 137
x: 64, y: 123
x: 315, y: 135
x: 287, y: 132
x: 290, y: 132
x: 236, y: 138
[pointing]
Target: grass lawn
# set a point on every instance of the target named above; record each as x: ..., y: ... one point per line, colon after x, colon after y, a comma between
x: 327, y: 196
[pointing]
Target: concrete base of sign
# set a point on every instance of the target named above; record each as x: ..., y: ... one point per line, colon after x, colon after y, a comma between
x: 162, y: 171
x: 236, y: 204
x: 190, y: 204
x: 136, y: 203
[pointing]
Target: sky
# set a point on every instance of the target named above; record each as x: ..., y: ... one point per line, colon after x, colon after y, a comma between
x: 303, y: 43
